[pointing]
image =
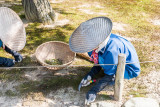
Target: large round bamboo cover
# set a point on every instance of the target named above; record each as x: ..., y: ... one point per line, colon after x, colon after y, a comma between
x: 55, y: 50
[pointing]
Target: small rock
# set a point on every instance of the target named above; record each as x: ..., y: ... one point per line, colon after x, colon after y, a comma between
x: 75, y: 103
x: 73, y: 106
x: 19, y: 104
x: 156, y: 22
x: 50, y: 101
x: 68, y: 102
x: 55, y: 105
x: 26, y: 103
x: 141, y: 102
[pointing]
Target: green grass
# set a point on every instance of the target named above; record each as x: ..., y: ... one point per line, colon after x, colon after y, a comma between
x: 105, y: 97
x: 139, y: 93
x: 138, y: 90
x: 4, y: 54
x: 17, y: 8
x: 10, y: 75
x: 10, y: 93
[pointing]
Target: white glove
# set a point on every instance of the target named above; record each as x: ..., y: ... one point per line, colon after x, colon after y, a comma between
x: 86, y: 81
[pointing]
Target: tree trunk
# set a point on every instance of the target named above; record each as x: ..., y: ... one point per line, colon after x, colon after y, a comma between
x: 38, y: 11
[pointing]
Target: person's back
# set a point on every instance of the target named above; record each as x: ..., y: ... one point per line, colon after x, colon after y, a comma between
x: 124, y: 46
x: 109, y: 55
x: 133, y: 69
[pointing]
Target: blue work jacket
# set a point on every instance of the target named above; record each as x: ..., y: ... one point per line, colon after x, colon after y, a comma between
x: 109, y: 55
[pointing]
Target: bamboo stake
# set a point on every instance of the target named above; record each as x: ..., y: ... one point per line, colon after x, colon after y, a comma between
x: 119, y: 77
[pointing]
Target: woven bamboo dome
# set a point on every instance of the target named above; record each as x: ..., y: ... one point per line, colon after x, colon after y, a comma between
x: 55, y: 50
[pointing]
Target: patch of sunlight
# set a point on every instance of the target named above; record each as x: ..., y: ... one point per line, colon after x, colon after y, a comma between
x: 119, y: 26
x: 57, y: 23
x: 155, y: 22
x: 95, y: 4
x: 88, y: 11
x: 56, y: 1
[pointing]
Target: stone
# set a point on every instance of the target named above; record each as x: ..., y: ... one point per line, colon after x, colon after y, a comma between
x: 103, y: 104
x: 75, y: 103
x: 141, y: 102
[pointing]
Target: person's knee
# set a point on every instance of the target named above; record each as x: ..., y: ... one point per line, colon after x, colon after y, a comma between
x: 6, y: 62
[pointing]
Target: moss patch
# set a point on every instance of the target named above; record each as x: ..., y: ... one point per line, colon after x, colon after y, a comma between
x: 10, y: 93
x: 52, y: 82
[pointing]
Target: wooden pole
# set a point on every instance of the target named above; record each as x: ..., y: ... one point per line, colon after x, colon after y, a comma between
x: 119, y: 77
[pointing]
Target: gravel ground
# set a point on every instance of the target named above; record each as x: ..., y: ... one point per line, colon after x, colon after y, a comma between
x: 151, y: 82
x: 68, y: 97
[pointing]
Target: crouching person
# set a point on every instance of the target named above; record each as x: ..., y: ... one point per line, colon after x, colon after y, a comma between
x: 12, y: 36
x: 94, y: 36
x: 7, y: 62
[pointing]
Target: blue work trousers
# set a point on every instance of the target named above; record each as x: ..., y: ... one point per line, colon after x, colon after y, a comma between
x: 7, y: 62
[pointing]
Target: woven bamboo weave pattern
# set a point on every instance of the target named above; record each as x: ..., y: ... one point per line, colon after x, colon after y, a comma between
x: 12, y: 29
x: 55, y: 50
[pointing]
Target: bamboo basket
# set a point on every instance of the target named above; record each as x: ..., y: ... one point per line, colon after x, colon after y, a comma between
x: 55, y: 50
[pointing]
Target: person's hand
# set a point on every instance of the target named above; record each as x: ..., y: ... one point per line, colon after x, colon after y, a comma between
x: 90, y: 97
x: 85, y: 82
x: 18, y: 58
